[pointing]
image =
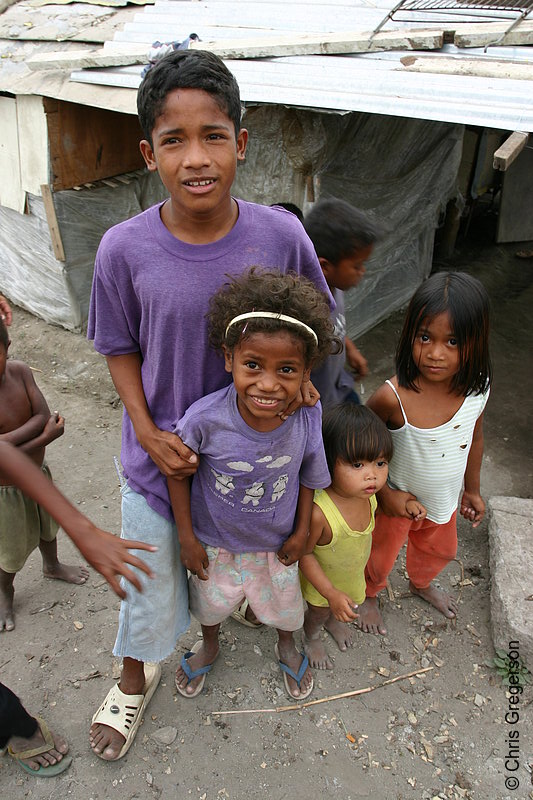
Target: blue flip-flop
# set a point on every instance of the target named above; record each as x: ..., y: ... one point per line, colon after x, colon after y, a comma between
x: 193, y: 673
x: 296, y: 676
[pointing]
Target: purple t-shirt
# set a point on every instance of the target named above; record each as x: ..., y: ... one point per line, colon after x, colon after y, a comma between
x: 150, y: 295
x: 245, y: 492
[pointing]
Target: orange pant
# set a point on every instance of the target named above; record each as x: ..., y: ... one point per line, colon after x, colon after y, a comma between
x: 429, y: 548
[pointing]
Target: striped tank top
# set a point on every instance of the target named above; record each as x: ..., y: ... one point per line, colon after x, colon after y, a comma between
x: 431, y: 462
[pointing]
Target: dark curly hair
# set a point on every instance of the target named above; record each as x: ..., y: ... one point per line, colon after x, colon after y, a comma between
x: 274, y: 291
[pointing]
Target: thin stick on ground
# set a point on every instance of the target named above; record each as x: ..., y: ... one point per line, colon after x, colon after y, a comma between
x: 298, y: 706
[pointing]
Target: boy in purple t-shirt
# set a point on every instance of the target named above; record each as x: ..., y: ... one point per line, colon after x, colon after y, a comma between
x: 154, y: 275
x: 244, y: 522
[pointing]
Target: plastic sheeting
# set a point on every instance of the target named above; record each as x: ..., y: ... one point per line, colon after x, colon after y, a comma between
x: 400, y: 171
x: 58, y: 291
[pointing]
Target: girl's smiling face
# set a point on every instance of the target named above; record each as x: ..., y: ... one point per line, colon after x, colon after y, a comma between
x: 436, y: 350
x: 268, y: 370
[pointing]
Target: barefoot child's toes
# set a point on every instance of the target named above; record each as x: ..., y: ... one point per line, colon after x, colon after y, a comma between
x: 316, y: 653
x: 340, y: 631
x: 441, y: 600
x: 370, y: 619
x: 62, y: 572
x: 7, y: 618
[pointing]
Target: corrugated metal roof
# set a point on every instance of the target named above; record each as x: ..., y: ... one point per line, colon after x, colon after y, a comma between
x: 376, y: 83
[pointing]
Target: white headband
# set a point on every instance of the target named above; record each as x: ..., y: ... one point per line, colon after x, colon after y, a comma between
x: 272, y: 315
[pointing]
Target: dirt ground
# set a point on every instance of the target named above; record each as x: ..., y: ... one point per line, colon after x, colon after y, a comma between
x: 441, y: 734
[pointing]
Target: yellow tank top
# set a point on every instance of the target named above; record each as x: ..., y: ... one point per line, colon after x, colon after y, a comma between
x: 344, y: 558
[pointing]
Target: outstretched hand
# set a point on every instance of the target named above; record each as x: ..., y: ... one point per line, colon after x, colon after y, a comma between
x: 110, y: 556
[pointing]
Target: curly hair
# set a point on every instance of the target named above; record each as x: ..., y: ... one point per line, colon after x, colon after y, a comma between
x: 274, y: 291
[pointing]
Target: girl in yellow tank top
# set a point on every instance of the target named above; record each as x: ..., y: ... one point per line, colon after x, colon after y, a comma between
x: 332, y: 571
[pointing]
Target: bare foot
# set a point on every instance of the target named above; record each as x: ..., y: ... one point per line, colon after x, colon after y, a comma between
x: 442, y: 601
x: 7, y: 618
x: 340, y: 631
x: 19, y: 744
x: 107, y: 742
x: 292, y: 658
x: 62, y: 572
x: 370, y: 619
x: 316, y: 652
x: 202, y: 657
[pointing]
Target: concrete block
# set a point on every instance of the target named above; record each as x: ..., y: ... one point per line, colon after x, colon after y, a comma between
x: 511, y: 559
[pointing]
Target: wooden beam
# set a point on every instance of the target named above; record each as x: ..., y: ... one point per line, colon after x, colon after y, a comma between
x: 262, y: 47
x: 481, y: 35
x: 85, y: 59
x: 324, y: 44
x: 53, y: 226
x: 508, y: 151
x: 477, y: 67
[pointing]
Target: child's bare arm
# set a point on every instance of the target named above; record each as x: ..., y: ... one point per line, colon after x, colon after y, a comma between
x: 165, y: 449
x: 24, y: 433
x: 472, y: 505
x: 340, y: 603
x: 25, y: 390
x: 393, y: 502
x: 355, y: 358
x: 53, y: 429
x: 106, y: 553
x: 192, y: 554
x: 293, y: 547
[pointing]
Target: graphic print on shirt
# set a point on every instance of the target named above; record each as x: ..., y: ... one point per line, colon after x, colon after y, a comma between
x: 225, y: 484
x: 278, y: 489
x: 253, y: 493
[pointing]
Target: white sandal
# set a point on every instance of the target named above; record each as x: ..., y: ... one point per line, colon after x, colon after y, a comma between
x: 240, y: 615
x: 124, y: 712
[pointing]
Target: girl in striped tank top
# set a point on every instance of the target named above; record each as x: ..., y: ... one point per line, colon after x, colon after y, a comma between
x: 433, y: 408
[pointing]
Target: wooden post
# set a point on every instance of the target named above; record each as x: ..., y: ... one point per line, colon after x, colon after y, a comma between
x: 508, y: 151
x: 53, y: 226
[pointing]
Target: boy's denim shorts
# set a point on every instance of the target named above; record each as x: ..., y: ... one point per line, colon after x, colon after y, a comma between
x: 151, y: 622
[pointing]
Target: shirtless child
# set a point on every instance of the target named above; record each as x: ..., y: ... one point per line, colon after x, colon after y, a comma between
x: 26, y: 422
